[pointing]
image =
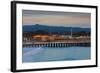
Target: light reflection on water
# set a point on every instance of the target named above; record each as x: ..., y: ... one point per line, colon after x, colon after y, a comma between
x: 43, y: 54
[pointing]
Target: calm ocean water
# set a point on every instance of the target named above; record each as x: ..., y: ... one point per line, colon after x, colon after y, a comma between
x: 43, y: 54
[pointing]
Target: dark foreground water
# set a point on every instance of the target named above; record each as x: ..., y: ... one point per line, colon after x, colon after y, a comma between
x: 44, y: 54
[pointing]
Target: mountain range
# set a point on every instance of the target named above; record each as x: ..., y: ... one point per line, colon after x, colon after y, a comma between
x: 60, y: 29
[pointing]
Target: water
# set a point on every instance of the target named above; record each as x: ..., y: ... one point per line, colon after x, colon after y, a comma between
x: 44, y: 54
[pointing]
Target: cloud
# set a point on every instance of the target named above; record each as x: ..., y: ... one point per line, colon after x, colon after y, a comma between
x: 54, y: 18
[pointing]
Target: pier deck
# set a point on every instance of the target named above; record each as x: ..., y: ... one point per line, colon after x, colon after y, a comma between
x: 59, y: 43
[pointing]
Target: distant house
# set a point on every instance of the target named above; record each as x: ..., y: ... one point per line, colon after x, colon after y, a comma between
x: 43, y: 38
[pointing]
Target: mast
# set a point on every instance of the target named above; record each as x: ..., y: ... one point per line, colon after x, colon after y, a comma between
x: 71, y: 32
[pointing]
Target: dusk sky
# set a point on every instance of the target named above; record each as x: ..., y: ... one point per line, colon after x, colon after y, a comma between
x: 51, y: 18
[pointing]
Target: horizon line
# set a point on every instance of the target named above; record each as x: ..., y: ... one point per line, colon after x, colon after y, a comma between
x: 55, y: 26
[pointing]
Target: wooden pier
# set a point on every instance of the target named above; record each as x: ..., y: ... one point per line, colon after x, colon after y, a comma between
x: 64, y: 43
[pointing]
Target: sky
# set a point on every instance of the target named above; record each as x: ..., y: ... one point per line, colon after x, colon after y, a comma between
x: 53, y: 18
